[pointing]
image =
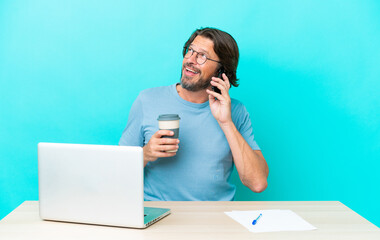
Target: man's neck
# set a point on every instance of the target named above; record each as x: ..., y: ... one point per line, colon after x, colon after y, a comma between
x: 194, y: 97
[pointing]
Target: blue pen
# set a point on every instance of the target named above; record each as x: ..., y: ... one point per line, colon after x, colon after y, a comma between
x: 257, y: 219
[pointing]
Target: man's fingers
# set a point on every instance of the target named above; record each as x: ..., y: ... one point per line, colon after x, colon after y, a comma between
x: 161, y: 133
x: 211, y: 98
x: 168, y: 141
x: 222, y: 88
x: 164, y: 148
x: 158, y: 146
x: 219, y: 85
x: 213, y: 95
x: 165, y: 154
x: 226, y: 80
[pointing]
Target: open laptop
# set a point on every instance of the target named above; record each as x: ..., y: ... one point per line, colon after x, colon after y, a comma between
x: 94, y: 184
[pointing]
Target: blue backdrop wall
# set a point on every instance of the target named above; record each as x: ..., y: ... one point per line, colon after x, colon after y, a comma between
x: 309, y: 70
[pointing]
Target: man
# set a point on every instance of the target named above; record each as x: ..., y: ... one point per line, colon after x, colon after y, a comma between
x: 215, y: 130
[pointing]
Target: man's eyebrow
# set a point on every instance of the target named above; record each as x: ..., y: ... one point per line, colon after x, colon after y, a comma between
x: 201, y: 49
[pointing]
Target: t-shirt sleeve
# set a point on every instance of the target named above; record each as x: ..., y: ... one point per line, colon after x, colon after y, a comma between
x: 245, y: 127
x: 132, y: 134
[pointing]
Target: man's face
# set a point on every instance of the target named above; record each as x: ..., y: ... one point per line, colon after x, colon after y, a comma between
x: 194, y: 76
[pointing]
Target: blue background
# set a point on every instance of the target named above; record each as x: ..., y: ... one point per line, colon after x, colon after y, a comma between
x: 309, y: 70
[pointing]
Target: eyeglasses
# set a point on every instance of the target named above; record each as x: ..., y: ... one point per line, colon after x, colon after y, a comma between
x: 201, y: 58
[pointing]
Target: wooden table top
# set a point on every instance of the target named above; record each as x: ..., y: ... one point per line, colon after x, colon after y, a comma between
x: 197, y: 220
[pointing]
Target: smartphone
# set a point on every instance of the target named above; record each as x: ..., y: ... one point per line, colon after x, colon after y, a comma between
x: 220, y: 72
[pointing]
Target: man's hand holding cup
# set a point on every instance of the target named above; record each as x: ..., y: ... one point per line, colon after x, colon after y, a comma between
x: 164, y: 143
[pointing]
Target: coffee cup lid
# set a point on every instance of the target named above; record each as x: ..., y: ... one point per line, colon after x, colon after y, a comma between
x: 168, y: 117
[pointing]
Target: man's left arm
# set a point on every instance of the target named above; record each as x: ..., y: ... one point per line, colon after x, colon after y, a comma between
x: 250, y: 164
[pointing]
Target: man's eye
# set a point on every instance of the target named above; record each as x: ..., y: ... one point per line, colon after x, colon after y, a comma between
x: 202, y: 55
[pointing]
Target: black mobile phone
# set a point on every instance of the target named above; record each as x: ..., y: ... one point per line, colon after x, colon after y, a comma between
x: 220, y: 72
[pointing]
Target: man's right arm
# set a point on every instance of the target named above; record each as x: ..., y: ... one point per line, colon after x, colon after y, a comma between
x: 133, y: 136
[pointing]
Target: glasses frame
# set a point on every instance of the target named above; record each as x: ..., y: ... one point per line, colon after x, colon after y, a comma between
x: 196, y: 57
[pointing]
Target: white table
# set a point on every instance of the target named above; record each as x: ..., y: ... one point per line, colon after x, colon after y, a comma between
x: 197, y: 220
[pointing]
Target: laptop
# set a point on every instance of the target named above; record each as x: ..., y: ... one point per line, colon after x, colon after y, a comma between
x: 94, y: 184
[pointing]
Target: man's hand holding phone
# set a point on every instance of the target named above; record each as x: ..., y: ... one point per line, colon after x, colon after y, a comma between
x: 220, y: 103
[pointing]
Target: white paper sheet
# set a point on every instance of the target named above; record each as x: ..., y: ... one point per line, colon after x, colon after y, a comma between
x: 273, y: 220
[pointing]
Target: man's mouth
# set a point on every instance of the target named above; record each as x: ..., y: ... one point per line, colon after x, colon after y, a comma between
x: 190, y: 72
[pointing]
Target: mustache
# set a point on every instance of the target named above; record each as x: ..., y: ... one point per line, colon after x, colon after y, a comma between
x: 189, y: 65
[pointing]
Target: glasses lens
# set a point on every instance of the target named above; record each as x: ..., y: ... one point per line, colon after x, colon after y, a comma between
x: 201, y: 59
x: 188, y: 53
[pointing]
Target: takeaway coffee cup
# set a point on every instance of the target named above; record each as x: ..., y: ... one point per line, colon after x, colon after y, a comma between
x: 169, y: 122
